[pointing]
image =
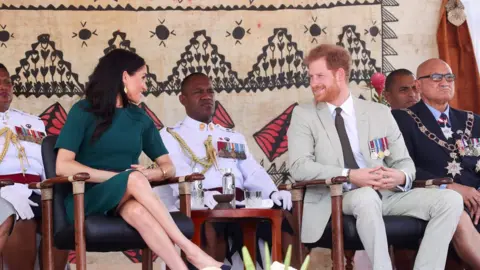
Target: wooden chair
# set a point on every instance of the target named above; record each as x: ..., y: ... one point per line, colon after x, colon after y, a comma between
x: 98, y: 233
x: 340, y: 235
x: 3, y: 183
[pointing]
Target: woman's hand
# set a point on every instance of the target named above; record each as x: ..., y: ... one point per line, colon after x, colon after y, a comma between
x: 138, y: 167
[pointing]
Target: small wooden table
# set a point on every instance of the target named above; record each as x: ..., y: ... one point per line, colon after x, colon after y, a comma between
x: 248, y: 220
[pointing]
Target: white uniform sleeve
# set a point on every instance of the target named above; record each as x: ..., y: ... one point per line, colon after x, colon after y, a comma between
x: 255, y: 176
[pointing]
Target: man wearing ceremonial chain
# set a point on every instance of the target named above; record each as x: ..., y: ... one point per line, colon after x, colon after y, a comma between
x: 21, y: 135
x: 195, y: 144
x: 445, y: 142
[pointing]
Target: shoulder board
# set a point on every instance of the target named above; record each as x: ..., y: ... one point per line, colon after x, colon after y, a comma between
x: 25, y: 114
x: 224, y: 128
x: 177, y: 125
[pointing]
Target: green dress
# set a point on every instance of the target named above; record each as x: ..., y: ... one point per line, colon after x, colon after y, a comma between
x: 120, y: 146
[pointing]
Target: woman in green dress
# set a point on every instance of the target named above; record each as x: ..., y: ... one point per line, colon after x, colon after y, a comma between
x: 104, y: 136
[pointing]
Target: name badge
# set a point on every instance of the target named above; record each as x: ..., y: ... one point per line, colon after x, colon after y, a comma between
x: 231, y: 150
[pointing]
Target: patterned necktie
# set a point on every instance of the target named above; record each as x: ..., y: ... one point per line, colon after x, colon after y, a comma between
x: 443, y: 120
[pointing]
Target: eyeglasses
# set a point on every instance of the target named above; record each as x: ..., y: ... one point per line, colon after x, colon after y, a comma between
x: 436, y: 77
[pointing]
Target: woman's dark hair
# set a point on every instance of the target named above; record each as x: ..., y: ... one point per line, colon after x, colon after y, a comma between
x: 4, y: 67
x: 105, y: 83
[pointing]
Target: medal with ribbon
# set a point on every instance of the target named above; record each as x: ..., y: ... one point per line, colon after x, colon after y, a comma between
x: 379, y: 148
x: 29, y: 135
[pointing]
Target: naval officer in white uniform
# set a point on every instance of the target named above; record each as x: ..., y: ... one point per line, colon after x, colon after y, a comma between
x: 21, y: 161
x: 197, y: 143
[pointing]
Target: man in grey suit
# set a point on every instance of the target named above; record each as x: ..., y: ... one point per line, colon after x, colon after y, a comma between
x: 339, y: 135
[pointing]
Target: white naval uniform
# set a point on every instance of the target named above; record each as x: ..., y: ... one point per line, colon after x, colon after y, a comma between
x: 249, y: 174
x: 11, y: 164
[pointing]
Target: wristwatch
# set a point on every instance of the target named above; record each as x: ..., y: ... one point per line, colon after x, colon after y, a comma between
x: 348, y: 176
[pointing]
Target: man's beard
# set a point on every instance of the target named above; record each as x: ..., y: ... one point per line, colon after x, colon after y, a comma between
x: 330, y: 94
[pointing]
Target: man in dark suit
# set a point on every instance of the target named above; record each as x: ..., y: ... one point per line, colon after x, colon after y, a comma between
x: 445, y: 142
x: 400, y: 89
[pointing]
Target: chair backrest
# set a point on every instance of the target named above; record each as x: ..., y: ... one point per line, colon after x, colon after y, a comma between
x: 49, y: 156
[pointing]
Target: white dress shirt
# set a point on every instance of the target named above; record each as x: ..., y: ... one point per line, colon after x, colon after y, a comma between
x: 350, y: 120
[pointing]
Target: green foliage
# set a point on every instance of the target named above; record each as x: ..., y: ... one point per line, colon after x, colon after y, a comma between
x: 247, y: 260
x: 250, y: 265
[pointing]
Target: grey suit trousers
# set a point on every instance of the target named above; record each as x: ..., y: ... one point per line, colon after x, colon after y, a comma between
x: 440, y: 207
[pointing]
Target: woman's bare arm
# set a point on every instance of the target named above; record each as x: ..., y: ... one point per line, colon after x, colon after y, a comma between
x: 165, y: 169
x: 66, y: 165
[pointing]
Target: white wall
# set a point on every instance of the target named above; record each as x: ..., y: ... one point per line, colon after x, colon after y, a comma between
x: 472, y: 8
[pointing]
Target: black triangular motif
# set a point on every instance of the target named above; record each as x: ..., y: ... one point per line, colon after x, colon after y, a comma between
x: 388, y: 50
x: 44, y: 72
x: 386, y: 66
x: 251, y: 6
x: 279, y: 65
x: 390, y: 3
x: 119, y: 40
x: 201, y: 55
x: 361, y: 97
x: 388, y: 33
x: 351, y: 40
x: 388, y: 16
x: 280, y: 175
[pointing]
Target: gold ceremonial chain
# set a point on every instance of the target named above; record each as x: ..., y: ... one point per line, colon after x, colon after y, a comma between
x: 453, y: 167
x: 13, y: 138
x: 433, y: 137
x: 206, y: 162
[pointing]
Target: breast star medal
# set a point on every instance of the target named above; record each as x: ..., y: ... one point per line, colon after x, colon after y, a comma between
x: 477, y: 167
x: 447, y: 132
x: 454, y: 167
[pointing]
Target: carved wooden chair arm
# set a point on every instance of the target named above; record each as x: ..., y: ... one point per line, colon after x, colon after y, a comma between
x: 79, y: 177
x: 5, y: 182
x: 177, y: 180
x: 432, y: 183
x: 304, y: 184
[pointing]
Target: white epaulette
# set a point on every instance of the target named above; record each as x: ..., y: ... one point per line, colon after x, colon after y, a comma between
x: 26, y: 114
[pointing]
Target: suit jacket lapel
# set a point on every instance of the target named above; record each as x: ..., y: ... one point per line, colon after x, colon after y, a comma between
x: 329, y: 126
x: 456, y: 125
x: 363, y: 128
